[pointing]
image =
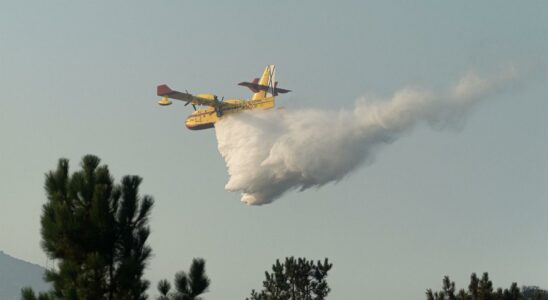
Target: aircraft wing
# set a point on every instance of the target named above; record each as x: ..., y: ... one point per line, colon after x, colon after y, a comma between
x: 164, y: 91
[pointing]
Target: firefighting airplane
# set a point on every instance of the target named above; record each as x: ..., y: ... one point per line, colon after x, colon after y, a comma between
x: 264, y: 90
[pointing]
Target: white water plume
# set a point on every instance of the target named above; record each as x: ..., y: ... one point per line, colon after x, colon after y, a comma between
x: 270, y: 152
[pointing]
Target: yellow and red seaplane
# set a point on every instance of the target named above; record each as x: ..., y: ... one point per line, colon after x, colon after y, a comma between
x: 264, y: 89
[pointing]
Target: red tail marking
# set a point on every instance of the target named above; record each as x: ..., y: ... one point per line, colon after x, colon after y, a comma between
x: 163, y: 90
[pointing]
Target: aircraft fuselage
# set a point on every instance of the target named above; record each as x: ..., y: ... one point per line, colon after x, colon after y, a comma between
x: 207, y: 117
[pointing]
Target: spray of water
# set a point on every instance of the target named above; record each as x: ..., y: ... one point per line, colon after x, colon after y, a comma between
x: 268, y: 153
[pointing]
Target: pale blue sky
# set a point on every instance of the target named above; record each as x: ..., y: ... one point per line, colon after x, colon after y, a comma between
x: 79, y: 77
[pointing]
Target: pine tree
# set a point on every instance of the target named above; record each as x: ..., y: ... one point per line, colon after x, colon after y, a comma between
x: 96, y: 231
x: 189, y: 286
x: 295, y: 279
x: 163, y: 287
x: 28, y: 294
x: 478, y: 289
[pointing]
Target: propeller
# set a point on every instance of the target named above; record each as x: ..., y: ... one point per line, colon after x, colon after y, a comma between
x: 193, y: 105
x: 219, y: 105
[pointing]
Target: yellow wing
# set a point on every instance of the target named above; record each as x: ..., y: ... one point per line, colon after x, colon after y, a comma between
x: 204, y: 99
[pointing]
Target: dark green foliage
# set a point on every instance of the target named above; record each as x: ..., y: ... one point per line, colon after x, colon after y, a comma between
x: 295, y: 279
x: 96, y: 231
x: 478, y: 289
x: 534, y: 293
x: 188, y: 286
x: 28, y: 294
x: 164, y: 287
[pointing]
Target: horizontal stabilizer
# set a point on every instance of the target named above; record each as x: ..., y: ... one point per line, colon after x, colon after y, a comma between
x: 255, y: 87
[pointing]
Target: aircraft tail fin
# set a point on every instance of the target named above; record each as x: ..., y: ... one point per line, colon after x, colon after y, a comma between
x: 266, y: 86
x: 266, y: 80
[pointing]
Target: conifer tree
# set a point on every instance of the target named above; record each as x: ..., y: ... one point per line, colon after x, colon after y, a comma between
x: 164, y: 287
x: 295, y: 279
x: 478, y: 289
x: 96, y: 231
x: 188, y: 286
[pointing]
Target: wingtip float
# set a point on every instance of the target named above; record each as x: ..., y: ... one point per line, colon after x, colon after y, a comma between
x: 264, y: 89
